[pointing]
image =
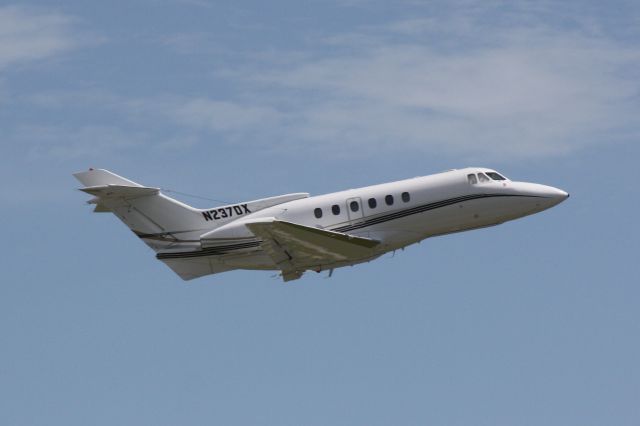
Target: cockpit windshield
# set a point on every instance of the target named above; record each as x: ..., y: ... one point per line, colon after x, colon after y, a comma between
x: 483, y: 177
x: 495, y: 176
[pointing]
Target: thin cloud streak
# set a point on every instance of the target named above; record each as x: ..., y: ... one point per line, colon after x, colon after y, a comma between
x: 458, y: 87
x: 27, y: 34
x: 455, y: 88
x: 530, y: 92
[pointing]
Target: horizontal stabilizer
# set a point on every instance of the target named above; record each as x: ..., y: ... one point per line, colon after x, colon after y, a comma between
x: 119, y: 191
x: 98, y: 177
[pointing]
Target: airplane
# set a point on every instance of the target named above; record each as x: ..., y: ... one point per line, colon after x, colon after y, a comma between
x: 294, y: 233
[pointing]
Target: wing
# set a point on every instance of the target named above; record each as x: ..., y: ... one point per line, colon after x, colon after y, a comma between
x: 296, y: 248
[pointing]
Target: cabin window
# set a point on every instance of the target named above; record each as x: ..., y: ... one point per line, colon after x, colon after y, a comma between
x: 483, y: 178
x: 389, y: 200
x: 354, y: 206
x: 406, y: 197
x: 373, y: 203
x: 472, y: 179
x: 335, y: 209
x: 317, y: 213
x: 495, y: 176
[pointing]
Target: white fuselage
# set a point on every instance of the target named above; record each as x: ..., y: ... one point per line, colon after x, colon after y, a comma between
x: 402, y: 213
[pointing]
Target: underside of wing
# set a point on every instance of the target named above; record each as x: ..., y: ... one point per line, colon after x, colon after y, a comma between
x: 190, y: 268
x: 296, y: 248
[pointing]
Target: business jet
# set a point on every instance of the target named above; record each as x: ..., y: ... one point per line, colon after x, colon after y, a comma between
x: 295, y: 233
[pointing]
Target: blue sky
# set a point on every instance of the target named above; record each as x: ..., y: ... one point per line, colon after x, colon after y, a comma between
x: 532, y: 322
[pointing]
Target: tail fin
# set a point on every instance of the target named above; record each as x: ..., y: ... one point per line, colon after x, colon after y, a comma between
x: 167, y: 225
x: 160, y: 221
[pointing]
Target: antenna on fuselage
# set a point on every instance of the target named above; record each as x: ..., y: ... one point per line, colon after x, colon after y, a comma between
x: 194, y: 196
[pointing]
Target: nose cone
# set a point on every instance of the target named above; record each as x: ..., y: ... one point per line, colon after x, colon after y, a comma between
x: 555, y: 194
x: 541, y: 197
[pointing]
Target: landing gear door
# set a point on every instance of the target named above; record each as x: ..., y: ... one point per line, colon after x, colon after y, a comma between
x: 354, y: 209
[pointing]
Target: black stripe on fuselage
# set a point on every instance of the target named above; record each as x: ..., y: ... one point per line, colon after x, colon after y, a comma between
x: 210, y: 251
x: 219, y: 250
x: 421, y: 209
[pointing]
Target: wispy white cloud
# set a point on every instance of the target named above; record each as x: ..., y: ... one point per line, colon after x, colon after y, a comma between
x: 196, y: 3
x: 163, y: 122
x: 469, y: 83
x: 512, y: 91
x: 193, y: 43
x: 60, y: 142
x: 222, y: 115
x: 188, y: 117
x: 463, y: 85
x: 28, y: 34
x: 90, y: 97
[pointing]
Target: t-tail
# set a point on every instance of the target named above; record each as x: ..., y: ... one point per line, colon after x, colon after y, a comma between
x: 164, y: 223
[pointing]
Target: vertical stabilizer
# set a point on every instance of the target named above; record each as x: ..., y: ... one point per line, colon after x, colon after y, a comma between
x: 161, y: 221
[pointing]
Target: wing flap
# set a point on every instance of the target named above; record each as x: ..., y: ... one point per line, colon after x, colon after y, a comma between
x: 296, y: 248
